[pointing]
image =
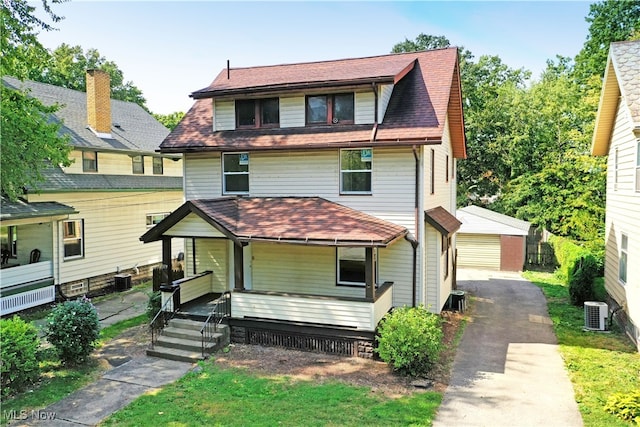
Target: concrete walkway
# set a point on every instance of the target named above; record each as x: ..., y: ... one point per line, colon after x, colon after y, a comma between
x: 118, y: 386
x: 507, y: 370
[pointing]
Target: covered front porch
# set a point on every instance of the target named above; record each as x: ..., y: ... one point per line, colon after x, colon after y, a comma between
x: 296, y: 264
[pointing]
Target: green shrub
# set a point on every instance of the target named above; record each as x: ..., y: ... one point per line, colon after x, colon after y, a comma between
x: 410, y: 339
x: 625, y: 406
x: 73, y: 328
x: 18, y: 348
x: 581, y: 279
x: 154, y: 305
x: 567, y: 253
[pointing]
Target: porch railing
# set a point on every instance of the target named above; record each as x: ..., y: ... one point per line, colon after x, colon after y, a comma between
x: 162, y: 318
x: 221, y: 310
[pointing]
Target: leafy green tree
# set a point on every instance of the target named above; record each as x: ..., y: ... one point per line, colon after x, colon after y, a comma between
x: 170, y: 120
x: 68, y: 65
x: 422, y: 42
x: 27, y: 139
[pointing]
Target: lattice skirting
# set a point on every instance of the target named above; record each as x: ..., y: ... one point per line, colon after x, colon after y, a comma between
x: 22, y: 301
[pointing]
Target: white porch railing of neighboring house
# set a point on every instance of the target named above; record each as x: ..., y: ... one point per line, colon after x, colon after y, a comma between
x: 23, y: 275
x: 351, y: 313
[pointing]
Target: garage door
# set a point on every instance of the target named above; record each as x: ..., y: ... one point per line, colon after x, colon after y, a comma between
x: 478, y: 251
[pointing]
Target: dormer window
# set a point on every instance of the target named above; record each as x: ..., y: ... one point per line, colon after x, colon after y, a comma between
x: 330, y: 109
x: 256, y: 113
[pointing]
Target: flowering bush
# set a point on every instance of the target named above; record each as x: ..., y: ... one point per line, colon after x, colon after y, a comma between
x: 73, y: 328
x: 18, y: 347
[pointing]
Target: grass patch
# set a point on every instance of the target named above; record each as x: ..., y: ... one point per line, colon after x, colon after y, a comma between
x: 116, y: 329
x: 232, y: 397
x: 599, y: 364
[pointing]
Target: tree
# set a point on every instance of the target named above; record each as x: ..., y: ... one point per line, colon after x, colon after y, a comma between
x: 422, y: 42
x: 67, y: 67
x: 170, y: 120
x: 27, y: 139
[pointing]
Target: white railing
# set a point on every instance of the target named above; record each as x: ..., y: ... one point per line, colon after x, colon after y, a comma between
x: 22, y: 301
x: 26, y: 273
x: 358, y: 314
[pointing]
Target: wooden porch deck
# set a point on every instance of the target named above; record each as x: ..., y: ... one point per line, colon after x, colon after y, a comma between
x: 199, y: 308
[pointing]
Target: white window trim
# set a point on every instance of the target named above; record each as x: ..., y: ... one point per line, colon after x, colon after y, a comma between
x: 626, y: 252
x: 224, y: 175
x: 355, y: 284
x: 342, y: 171
x: 163, y: 214
x: 82, y: 252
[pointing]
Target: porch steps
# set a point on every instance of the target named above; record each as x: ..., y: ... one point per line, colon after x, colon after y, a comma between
x: 181, y: 341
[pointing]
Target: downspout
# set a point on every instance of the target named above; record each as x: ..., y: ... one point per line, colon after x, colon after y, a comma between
x: 416, y: 240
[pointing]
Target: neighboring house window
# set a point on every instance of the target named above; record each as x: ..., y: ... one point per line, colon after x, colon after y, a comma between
x: 615, y: 169
x: 235, y: 173
x: 73, y: 238
x: 138, y: 164
x: 330, y: 109
x: 351, y: 266
x: 90, y: 161
x: 433, y: 172
x: 255, y: 113
x: 638, y: 166
x: 446, y: 172
x: 154, y: 219
x: 355, y: 171
x: 9, y: 240
x: 622, y: 266
x: 158, y: 166
x: 446, y: 244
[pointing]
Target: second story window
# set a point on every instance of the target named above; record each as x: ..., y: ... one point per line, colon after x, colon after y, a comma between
x: 89, y: 161
x: 355, y: 171
x: 138, y: 164
x: 235, y: 173
x: 255, y: 113
x: 330, y: 109
x: 157, y: 166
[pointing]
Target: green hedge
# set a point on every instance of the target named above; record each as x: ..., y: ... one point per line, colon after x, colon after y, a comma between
x: 567, y: 253
x: 19, y: 346
x: 578, y: 268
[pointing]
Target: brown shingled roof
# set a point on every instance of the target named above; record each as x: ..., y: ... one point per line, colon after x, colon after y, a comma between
x: 442, y: 220
x: 298, y: 220
x: 427, y: 89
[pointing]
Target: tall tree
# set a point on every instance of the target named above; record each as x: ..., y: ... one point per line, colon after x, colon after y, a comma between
x: 422, y: 42
x: 170, y: 120
x: 27, y: 140
x: 67, y: 67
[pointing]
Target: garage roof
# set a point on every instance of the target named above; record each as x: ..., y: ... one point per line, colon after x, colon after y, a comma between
x: 477, y: 220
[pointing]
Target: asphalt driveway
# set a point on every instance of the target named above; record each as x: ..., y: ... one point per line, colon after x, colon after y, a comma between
x: 507, y: 370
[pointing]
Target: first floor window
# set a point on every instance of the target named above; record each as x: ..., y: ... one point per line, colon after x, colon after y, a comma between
x: 154, y: 219
x: 138, y: 164
x: 235, y: 173
x: 73, y: 238
x: 158, y: 166
x: 355, y: 171
x: 9, y: 241
x: 622, y: 267
x: 351, y: 265
x: 89, y: 161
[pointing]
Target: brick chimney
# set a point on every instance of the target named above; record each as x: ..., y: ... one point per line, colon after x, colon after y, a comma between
x: 99, y: 102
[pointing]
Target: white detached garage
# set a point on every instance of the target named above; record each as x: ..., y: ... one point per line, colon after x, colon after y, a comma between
x: 490, y: 240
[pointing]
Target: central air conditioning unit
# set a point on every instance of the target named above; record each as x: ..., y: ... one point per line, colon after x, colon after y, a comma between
x: 595, y: 315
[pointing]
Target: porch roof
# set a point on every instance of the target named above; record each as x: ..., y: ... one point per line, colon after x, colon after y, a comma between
x: 442, y: 220
x: 21, y: 209
x: 295, y: 220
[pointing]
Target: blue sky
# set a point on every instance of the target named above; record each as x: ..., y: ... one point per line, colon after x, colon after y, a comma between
x: 170, y: 49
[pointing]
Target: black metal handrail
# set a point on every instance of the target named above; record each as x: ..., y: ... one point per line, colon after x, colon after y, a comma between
x: 221, y: 310
x: 161, y: 319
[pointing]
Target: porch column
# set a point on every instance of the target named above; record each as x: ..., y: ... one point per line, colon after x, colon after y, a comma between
x: 369, y: 275
x: 166, y: 257
x: 238, y: 266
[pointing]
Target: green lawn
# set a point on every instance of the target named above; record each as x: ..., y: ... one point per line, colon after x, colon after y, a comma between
x: 233, y: 397
x: 599, y: 364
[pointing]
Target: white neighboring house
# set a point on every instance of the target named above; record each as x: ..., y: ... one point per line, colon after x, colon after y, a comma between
x: 491, y: 240
x: 321, y: 194
x: 82, y: 228
x: 617, y: 134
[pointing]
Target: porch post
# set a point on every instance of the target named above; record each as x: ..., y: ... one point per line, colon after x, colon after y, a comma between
x: 166, y: 257
x: 238, y: 266
x: 369, y: 275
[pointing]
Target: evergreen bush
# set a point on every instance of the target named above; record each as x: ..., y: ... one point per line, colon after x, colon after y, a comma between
x: 154, y: 305
x: 581, y: 280
x: 73, y: 328
x: 410, y: 340
x: 18, y: 349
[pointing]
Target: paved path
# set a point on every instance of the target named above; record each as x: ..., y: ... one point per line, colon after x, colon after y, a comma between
x: 507, y: 370
x: 118, y: 386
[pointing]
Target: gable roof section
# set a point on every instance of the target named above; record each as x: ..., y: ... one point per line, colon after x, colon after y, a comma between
x: 621, y: 79
x: 426, y: 93
x: 137, y: 130
x: 21, y: 209
x: 440, y: 219
x: 295, y: 220
x: 477, y: 220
